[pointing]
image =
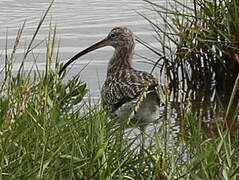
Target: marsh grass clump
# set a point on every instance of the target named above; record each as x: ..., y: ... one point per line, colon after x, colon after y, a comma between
x: 209, y: 152
x: 199, y: 41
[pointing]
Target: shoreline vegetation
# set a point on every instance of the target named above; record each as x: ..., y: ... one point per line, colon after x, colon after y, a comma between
x: 198, y: 40
x: 48, y: 130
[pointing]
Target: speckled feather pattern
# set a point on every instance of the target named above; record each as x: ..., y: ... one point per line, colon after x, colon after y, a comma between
x: 123, y: 83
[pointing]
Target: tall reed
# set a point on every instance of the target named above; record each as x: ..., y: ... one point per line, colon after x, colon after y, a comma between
x: 198, y: 41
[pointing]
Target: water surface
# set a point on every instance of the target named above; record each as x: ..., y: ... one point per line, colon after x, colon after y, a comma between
x: 79, y: 23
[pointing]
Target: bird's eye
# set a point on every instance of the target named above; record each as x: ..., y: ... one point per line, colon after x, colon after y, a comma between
x: 112, y: 35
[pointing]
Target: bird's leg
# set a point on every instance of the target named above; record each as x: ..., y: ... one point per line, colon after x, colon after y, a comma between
x: 142, y: 137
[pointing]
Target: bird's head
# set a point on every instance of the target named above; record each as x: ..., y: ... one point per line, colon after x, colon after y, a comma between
x: 120, y: 37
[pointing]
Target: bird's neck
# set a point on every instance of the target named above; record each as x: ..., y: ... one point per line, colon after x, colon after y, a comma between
x: 122, y: 57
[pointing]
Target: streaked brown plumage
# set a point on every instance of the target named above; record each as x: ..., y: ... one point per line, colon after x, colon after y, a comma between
x: 124, y: 84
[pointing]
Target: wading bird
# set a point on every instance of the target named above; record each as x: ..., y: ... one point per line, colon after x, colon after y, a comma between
x: 126, y: 92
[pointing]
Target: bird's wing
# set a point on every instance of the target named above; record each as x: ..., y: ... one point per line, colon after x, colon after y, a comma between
x: 126, y: 86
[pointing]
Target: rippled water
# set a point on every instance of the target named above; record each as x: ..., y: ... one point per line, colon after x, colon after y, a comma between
x: 80, y: 23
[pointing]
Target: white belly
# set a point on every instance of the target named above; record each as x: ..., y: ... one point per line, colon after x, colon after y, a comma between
x: 148, y: 110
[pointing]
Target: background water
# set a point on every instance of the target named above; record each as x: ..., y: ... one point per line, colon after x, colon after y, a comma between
x: 80, y: 23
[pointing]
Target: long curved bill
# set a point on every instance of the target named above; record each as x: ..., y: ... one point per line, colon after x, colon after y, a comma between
x: 95, y: 46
